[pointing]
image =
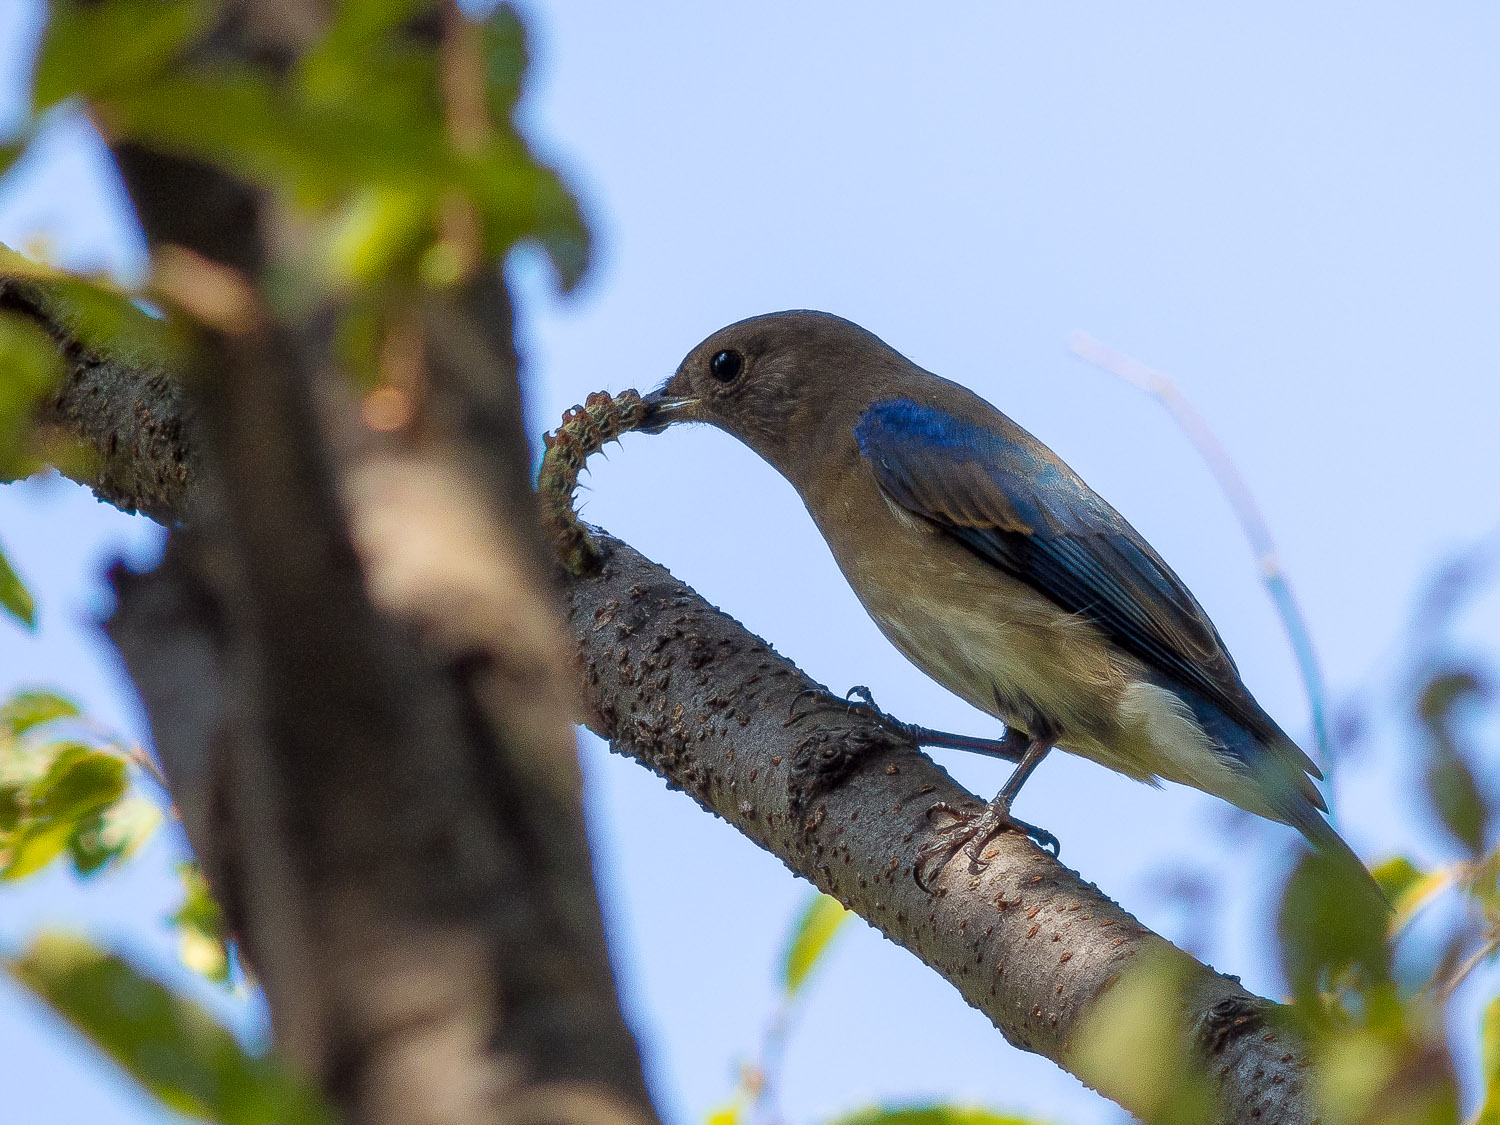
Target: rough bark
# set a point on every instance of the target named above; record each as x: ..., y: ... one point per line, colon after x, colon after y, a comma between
x: 354, y: 669
x: 128, y: 412
x: 843, y: 801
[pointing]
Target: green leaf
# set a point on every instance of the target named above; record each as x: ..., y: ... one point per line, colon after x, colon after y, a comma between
x: 28, y: 709
x: 113, y: 835
x: 202, y: 943
x: 1327, y: 926
x: 80, y: 783
x: 376, y: 230
x: 29, y: 367
x: 12, y: 808
x: 1489, y: 1047
x: 935, y: 1113
x: 34, y: 847
x: 92, y: 49
x: 1408, y: 888
x: 1142, y: 1015
x: 14, y: 596
x: 358, y: 54
x: 1483, y: 883
x: 168, y: 1044
x: 1455, y: 794
x: 505, y: 60
x: 11, y: 151
x: 1383, y: 1073
x: 812, y: 933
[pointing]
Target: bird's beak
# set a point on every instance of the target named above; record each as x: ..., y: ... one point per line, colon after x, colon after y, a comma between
x: 663, y: 408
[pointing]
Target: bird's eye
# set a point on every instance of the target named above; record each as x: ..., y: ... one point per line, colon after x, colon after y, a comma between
x: 726, y: 365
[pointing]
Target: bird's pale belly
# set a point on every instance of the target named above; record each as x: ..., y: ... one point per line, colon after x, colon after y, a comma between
x: 1014, y: 654
x: 1004, y: 648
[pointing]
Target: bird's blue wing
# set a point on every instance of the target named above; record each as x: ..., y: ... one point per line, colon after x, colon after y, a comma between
x: 1007, y: 498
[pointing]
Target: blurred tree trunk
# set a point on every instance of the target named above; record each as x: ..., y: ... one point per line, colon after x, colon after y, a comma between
x: 357, y: 681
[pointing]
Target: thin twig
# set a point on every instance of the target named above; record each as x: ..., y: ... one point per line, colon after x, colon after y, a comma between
x: 1472, y: 962
x: 1242, y: 500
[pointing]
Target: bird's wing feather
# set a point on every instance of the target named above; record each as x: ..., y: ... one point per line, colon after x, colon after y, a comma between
x: 1012, y: 502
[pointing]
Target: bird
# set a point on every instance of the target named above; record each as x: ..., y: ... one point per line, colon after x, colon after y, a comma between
x: 991, y: 566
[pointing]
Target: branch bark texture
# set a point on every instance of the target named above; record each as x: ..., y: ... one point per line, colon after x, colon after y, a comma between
x: 843, y: 800
x: 129, y: 412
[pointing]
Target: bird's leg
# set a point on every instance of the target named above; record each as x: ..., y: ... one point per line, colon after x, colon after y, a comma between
x: 972, y: 829
x: 1011, y: 746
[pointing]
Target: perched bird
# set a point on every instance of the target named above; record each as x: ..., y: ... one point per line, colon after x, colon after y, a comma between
x: 996, y: 570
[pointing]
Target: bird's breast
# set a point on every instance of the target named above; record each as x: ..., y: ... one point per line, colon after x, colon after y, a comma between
x: 987, y: 637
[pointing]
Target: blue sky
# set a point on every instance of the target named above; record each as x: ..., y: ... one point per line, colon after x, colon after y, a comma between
x: 1288, y: 207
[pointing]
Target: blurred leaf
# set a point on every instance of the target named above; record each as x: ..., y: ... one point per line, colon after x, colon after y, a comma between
x: 1328, y: 926
x: 79, y: 783
x: 1384, y: 1076
x: 168, y: 1044
x: 113, y: 835
x: 14, y: 596
x: 1450, y: 781
x: 91, y: 49
x: 1396, y: 876
x: 375, y: 230
x: 12, y: 807
x: 1483, y: 884
x: 505, y: 60
x: 1408, y: 888
x: 1446, y: 691
x: 28, y: 709
x: 1455, y: 796
x: 820, y: 922
x: 1489, y: 1059
x: 1134, y: 1043
x: 202, y: 943
x: 29, y: 367
x: 729, y: 1113
x: 361, y: 57
x: 113, y: 324
x: 34, y: 848
x: 10, y: 152
x: 936, y: 1113
x: 82, y: 781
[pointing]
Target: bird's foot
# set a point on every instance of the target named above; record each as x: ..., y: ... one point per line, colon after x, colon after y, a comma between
x: 970, y: 831
x: 856, y: 698
x: 859, y: 698
x: 1011, y: 747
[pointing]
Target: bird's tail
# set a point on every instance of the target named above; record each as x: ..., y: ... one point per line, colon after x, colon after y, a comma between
x: 1303, y: 816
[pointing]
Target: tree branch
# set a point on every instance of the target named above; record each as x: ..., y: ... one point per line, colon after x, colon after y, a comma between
x: 129, y: 412
x: 843, y: 801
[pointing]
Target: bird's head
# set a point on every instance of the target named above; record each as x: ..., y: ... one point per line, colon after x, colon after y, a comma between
x: 776, y: 382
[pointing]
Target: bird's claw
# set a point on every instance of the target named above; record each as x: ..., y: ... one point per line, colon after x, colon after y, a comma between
x: 970, y: 832
x: 823, y: 700
x: 795, y: 712
x: 859, y: 697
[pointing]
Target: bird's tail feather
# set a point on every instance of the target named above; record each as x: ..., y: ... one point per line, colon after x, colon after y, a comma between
x: 1321, y: 835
